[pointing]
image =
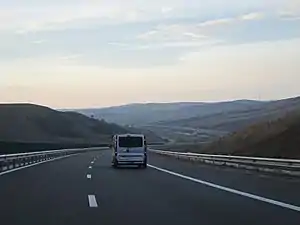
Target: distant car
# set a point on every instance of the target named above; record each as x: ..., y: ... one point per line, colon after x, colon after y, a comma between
x: 129, y: 149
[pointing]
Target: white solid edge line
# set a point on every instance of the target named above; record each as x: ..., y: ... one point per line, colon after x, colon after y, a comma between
x: 89, y: 176
x: 245, y: 194
x: 24, y: 167
x: 92, y: 201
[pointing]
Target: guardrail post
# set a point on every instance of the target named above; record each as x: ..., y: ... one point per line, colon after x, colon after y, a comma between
x: 2, y: 165
x: 14, y: 163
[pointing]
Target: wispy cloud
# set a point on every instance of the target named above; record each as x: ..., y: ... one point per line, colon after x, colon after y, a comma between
x: 195, y: 31
x: 39, y: 41
x: 71, y: 57
x: 100, y: 30
x: 215, y: 22
x: 54, y: 45
x: 147, y: 35
x: 289, y: 15
x: 162, y: 45
x: 174, y: 32
x: 193, y: 35
x: 252, y: 16
x: 118, y: 44
x: 231, y: 20
x: 166, y: 10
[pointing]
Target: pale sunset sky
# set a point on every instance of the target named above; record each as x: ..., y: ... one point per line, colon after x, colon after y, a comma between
x: 81, y: 53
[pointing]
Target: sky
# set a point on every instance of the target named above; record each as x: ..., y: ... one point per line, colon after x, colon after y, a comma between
x: 97, y: 53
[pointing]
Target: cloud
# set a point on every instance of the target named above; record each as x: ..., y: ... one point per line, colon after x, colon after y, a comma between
x: 57, y: 15
x: 64, y: 14
x: 118, y: 44
x: 186, y: 32
x: 174, y: 32
x: 39, y: 41
x: 289, y: 15
x: 193, y: 35
x: 215, y: 22
x: 178, y: 44
x: 252, y: 16
x: 102, y: 32
x: 166, y: 10
x: 231, y: 20
x: 60, y: 16
x: 71, y: 57
x: 147, y: 35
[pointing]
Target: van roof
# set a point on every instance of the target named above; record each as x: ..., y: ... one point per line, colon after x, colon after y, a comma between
x: 125, y: 135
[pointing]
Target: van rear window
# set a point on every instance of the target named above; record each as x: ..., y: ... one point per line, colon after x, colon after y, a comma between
x: 130, y: 142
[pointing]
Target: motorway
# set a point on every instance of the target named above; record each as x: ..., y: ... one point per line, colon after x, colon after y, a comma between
x: 84, y: 189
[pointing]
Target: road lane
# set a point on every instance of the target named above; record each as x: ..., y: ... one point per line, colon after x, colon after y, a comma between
x: 134, y: 196
x: 230, y: 190
x: 275, y: 187
x: 52, y: 193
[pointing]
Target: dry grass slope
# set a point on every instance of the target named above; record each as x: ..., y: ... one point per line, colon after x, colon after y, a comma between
x: 238, y: 119
x: 33, y: 123
x: 274, y: 138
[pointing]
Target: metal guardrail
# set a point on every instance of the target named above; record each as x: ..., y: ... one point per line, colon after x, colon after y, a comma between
x: 12, y: 161
x: 282, y: 166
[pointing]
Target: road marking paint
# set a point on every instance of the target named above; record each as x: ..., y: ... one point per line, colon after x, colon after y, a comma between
x: 237, y: 192
x: 92, y: 162
x: 90, y: 167
x: 30, y: 165
x: 92, y: 201
x: 89, y: 176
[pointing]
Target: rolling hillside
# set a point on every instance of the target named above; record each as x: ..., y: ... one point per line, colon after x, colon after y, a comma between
x: 141, y: 114
x: 274, y: 138
x: 32, y: 123
x: 190, y: 123
x: 238, y: 119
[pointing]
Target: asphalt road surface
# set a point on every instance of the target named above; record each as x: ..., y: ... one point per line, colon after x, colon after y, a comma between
x: 85, y: 189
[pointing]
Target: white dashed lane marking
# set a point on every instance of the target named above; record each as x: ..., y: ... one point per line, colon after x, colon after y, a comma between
x: 92, y: 201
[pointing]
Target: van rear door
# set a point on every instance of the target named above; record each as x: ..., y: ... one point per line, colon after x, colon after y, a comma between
x: 131, y: 145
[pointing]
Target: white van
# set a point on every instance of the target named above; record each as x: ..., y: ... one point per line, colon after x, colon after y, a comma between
x: 129, y: 149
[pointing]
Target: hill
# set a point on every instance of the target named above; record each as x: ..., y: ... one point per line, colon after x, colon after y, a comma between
x: 239, y: 118
x: 195, y: 122
x: 152, y: 137
x: 141, y: 114
x: 37, y: 124
x: 273, y: 138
